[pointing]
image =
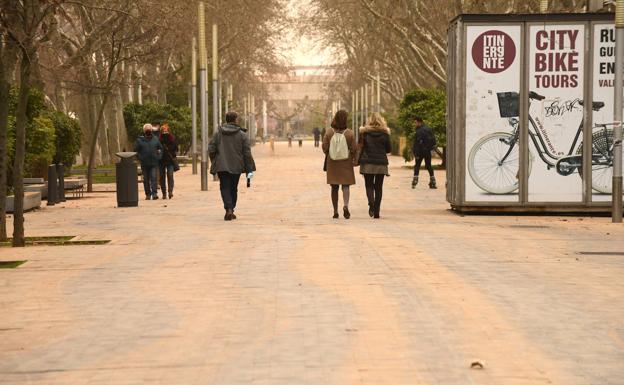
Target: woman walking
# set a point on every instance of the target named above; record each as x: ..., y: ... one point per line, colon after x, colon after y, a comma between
x: 375, y: 144
x: 169, y: 161
x: 339, y: 149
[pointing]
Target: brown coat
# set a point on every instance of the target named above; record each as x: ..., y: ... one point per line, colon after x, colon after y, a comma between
x: 340, y: 171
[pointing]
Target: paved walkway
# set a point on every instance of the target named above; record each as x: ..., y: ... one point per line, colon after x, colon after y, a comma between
x: 286, y: 295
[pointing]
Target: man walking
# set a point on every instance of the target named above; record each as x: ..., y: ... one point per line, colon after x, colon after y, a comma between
x: 150, y: 152
x: 230, y: 154
x: 317, y: 136
x: 424, y: 143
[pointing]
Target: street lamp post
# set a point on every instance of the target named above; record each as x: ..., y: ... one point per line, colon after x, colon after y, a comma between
x: 194, y: 105
x: 619, y: 83
x: 203, y: 80
x: 215, y: 79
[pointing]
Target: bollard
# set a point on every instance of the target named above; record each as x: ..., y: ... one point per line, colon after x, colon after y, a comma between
x: 300, y: 143
x: 127, y: 180
x: 52, y: 185
x: 60, y: 174
x: 272, y: 144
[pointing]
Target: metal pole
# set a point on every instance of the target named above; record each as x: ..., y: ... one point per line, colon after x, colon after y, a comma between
x: 356, y: 114
x: 619, y: 83
x: 378, y: 92
x: 194, y: 105
x: 353, y: 111
x: 252, y: 118
x: 245, y: 112
x: 203, y: 83
x: 264, y: 119
x: 366, y: 101
x: 215, y: 79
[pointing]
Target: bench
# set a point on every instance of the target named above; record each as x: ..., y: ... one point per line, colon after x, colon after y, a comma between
x: 76, y: 186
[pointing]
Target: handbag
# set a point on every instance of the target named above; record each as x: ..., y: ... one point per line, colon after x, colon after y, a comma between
x: 359, y: 150
x: 174, y: 160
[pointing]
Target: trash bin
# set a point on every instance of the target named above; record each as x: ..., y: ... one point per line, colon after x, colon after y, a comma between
x: 127, y: 180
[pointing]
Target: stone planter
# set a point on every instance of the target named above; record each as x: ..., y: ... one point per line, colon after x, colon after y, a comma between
x: 31, y: 200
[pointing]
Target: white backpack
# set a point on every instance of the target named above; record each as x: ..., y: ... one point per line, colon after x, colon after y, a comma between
x: 338, y: 147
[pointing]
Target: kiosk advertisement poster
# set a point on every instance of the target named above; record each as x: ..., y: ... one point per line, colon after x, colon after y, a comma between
x: 493, y: 72
x: 602, y: 131
x: 556, y: 68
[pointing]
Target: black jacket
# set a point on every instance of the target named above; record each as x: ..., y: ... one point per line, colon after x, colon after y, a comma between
x: 376, y: 145
x: 230, y: 152
x: 170, y: 149
x: 424, y: 141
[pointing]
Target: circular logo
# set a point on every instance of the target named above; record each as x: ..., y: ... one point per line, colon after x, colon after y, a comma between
x: 493, y: 51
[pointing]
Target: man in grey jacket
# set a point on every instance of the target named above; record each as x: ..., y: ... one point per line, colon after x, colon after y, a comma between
x: 230, y: 154
x: 149, y: 151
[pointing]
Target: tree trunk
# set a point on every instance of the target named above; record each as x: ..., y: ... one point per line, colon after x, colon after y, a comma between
x: 93, y: 144
x: 8, y: 59
x: 20, y: 151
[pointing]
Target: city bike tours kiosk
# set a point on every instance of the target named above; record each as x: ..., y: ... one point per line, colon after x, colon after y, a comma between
x: 530, y: 113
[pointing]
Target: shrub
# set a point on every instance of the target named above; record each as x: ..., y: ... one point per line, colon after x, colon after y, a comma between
x: 40, y: 146
x: 46, y: 131
x: 178, y: 118
x: 430, y: 105
x: 68, y: 138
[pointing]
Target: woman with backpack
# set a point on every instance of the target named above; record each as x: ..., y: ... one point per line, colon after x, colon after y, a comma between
x: 339, y: 149
x: 375, y: 145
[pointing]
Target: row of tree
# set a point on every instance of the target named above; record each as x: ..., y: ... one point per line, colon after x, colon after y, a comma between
x: 403, y: 40
x: 90, y: 58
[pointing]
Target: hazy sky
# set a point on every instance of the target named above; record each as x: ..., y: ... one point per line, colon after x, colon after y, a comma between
x: 303, y: 51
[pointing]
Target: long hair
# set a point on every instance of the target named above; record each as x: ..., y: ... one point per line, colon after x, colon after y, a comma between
x: 340, y: 120
x: 376, y: 120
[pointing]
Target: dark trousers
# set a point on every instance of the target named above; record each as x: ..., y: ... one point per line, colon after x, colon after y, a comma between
x: 166, y: 178
x: 150, y: 180
x: 229, y: 189
x: 374, y: 190
x: 419, y: 159
x: 316, y: 142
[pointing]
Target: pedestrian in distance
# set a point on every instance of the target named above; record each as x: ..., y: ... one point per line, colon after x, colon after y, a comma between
x: 339, y: 147
x: 375, y: 145
x: 169, y: 162
x: 149, y: 151
x: 317, y: 136
x: 230, y: 153
x: 424, y: 144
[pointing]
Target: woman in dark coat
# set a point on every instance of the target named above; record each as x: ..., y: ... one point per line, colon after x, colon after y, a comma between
x: 340, y: 172
x: 375, y: 144
x: 168, y: 162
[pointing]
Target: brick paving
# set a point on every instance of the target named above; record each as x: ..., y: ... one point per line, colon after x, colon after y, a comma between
x: 287, y: 295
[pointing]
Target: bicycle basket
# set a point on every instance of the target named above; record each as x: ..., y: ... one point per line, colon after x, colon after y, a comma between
x: 508, y: 104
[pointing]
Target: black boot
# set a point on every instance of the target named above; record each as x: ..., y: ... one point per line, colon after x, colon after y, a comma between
x: 415, y: 181
x: 228, y: 215
x: 432, y: 183
x: 371, y: 210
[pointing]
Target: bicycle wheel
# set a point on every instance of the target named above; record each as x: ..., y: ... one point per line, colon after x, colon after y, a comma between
x: 486, y: 167
x: 602, y: 160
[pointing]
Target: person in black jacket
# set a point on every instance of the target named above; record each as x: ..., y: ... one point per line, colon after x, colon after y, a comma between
x: 168, y: 163
x: 424, y: 143
x: 375, y: 145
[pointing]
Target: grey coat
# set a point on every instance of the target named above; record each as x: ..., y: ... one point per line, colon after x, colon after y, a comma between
x: 230, y: 152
